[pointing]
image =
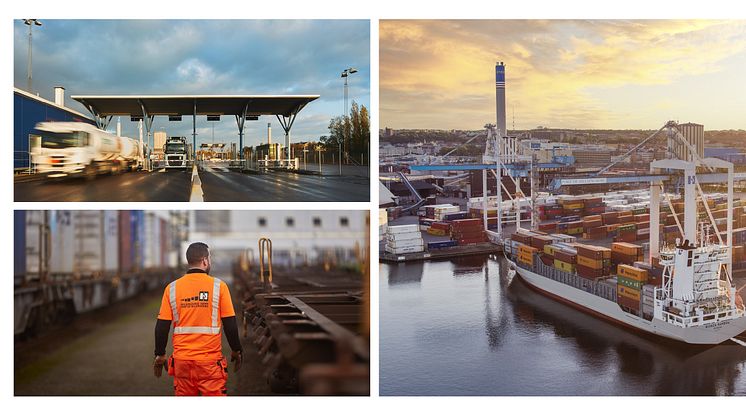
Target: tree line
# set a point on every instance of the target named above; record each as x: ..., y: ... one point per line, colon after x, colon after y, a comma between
x: 352, y: 132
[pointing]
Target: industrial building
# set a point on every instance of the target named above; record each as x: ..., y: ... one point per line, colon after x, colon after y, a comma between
x: 29, y: 110
x: 297, y: 236
x: 695, y: 135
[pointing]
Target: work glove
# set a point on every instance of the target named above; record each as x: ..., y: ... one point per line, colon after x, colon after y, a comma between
x: 237, y: 359
x: 159, y: 364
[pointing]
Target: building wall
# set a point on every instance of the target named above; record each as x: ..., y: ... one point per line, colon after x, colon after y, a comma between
x: 296, y: 235
x: 27, y: 112
x: 695, y: 134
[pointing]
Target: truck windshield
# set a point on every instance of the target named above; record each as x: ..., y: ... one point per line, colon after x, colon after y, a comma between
x: 64, y: 139
x: 175, y: 149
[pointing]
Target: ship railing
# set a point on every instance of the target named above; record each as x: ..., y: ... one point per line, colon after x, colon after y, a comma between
x: 704, y: 318
x: 596, y: 287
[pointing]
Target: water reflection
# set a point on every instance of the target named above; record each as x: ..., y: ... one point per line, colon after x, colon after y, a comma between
x: 466, y: 329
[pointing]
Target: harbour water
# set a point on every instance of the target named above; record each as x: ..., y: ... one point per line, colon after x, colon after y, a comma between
x: 460, y: 327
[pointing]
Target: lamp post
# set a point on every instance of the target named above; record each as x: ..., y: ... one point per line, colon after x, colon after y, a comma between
x: 31, y: 23
x: 345, y: 73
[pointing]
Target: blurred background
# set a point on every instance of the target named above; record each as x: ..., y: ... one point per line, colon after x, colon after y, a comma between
x: 88, y: 285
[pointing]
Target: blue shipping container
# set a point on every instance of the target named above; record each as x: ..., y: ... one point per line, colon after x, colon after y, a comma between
x: 19, y: 242
x: 441, y: 245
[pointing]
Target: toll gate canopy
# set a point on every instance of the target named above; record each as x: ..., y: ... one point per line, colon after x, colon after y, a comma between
x: 242, y: 107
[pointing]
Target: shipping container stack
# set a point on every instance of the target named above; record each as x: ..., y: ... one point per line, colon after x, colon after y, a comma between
x: 648, y: 302
x: 626, y: 253
x: 526, y: 254
x: 630, y: 281
x: 443, y: 244
x: 468, y: 231
x: 565, y: 258
x: 572, y: 206
x: 439, y: 228
x: 404, y: 239
x: 593, y: 228
x: 593, y: 206
x: 593, y: 262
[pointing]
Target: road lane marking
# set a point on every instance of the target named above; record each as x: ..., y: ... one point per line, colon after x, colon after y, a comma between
x: 197, y: 195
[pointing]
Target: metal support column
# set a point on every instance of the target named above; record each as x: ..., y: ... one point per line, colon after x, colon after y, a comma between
x: 147, y: 119
x: 241, y: 120
x: 485, y: 205
x: 286, y: 122
x: 690, y: 204
x: 194, y: 132
x: 729, y: 232
x: 655, y: 217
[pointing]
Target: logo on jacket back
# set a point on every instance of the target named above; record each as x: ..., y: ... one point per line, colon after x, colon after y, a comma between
x: 197, y: 300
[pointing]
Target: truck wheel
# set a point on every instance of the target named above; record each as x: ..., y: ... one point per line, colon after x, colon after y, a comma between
x: 90, y: 172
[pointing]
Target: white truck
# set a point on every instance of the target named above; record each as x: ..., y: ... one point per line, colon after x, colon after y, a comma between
x: 78, y: 148
x: 175, y: 153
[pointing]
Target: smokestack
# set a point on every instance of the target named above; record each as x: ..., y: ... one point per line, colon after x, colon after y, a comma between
x: 502, y: 128
x: 269, y: 133
x: 59, y: 96
x: 119, y: 126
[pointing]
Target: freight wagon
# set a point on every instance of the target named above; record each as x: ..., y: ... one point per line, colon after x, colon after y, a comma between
x: 70, y: 262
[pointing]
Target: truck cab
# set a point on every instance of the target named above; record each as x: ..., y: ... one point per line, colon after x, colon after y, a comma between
x: 175, y: 153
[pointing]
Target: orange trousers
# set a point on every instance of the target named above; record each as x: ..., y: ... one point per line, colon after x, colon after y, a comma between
x: 199, y: 378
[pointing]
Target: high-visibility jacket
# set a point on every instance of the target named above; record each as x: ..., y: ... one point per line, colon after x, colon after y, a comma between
x: 195, y: 303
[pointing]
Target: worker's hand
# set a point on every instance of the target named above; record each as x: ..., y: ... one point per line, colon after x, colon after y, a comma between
x: 237, y: 359
x: 159, y: 364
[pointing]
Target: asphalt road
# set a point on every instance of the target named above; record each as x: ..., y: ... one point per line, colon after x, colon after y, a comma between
x: 218, y: 185
x: 170, y: 186
x: 110, y: 352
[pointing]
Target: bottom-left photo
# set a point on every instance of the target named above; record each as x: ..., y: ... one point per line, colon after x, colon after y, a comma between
x: 191, y: 303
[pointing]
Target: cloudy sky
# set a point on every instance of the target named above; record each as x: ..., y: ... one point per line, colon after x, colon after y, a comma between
x: 563, y: 73
x: 202, y: 57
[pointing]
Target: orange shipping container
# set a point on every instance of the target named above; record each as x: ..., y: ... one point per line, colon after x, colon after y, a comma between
x: 632, y: 272
x: 628, y: 292
x: 590, y: 263
x: 626, y: 248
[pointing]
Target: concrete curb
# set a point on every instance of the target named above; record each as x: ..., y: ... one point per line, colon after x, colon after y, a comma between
x: 197, y: 195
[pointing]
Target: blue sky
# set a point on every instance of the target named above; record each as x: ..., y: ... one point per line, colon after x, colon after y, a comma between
x: 202, y: 57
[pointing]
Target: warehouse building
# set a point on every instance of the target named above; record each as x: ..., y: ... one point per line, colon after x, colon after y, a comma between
x: 29, y: 110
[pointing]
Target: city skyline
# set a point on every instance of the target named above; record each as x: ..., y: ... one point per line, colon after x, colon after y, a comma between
x: 280, y: 57
x: 566, y: 74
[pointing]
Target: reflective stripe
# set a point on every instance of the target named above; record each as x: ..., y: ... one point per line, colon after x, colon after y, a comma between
x: 172, y: 301
x: 215, y: 301
x: 196, y: 330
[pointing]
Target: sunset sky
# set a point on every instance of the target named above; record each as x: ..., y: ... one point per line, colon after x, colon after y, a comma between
x: 563, y: 73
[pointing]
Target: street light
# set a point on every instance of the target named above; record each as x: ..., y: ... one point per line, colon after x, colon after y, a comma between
x: 345, y: 73
x: 31, y: 23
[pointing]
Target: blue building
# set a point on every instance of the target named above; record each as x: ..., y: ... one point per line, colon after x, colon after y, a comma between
x: 29, y: 110
x: 729, y: 154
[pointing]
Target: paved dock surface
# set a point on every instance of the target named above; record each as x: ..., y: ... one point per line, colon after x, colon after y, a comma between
x: 218, y: 184
x: 110, y: 352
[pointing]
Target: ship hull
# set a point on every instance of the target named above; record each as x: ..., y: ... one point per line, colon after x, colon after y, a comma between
x: 712, y: 334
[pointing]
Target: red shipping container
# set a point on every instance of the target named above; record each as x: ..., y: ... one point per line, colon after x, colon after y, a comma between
x: 642, y: 217
x: 610, y: 218
x: 466, y: 222
x: 592, y: 201
x: 565, y: 257
x: 540, y: 241
x: 471, y: 241
x: 643, y: 225
x: 547, y: 260
x: 628, y: 302
x: 467, y: 235
x: 592, y: 223
x: 126, y: 263
x: 591, y: 273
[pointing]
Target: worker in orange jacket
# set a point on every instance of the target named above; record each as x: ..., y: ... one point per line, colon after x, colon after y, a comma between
x: 197, y: 304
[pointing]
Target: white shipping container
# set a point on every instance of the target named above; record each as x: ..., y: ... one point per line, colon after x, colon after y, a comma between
x: 96, y: 241
x: 34, y: 241
x: 152, y: 239
x: 62, y: 252
x: 383, y: 217
x: 405, y: 250
x: 404, y: 236
x: 407, y: 228
x: 405, y: 243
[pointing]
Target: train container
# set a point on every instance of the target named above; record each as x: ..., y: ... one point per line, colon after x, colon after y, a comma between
x: 65, y: 246
x: 540, y: 241
x: 126, y: 242
x: 610, y: 218
x: 593, y: 252
x: 96, y: 242
x: 630, y: 283
x: 36, y: 244
x: 152, y: 239
x: 19, y: 247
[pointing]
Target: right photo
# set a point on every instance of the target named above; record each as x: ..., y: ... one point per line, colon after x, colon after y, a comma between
x: 562, y: 207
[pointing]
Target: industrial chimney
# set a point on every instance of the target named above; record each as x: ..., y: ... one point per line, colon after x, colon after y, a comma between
x: 59, y: 96
x: 502, y: 128
x: 269, y: 133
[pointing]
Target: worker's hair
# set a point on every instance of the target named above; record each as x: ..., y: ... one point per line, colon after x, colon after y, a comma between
x: 196, y: 252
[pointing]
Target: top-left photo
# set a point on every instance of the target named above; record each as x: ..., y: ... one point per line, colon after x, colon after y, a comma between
x: 191, y: 110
